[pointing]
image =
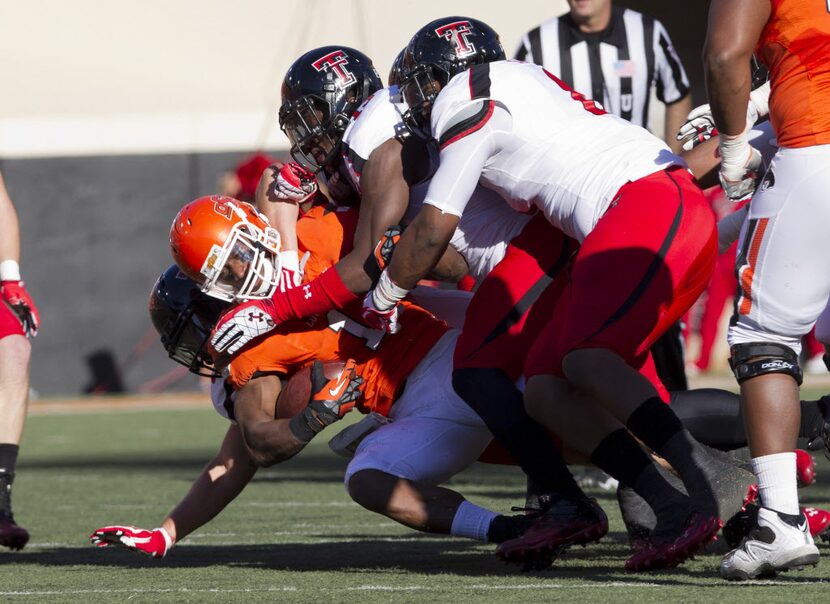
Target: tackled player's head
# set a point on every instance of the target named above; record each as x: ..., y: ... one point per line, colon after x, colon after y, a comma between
x: 183, y: 317
x: 227, y: 247
x: 320, y: 93
x: 437, y: 52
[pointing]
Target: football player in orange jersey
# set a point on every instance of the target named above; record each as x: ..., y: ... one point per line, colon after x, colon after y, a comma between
x: 782, y: 264
x: 395, y: 470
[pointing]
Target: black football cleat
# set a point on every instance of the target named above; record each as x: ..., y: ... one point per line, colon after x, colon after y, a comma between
x: 12, y: 535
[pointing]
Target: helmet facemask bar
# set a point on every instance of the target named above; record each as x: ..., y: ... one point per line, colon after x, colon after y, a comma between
x: 185, y: 342
x: 308, y: 125
x: 246, y: 267
x: 419, y: 89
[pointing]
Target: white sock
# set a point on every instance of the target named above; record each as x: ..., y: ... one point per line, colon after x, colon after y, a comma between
x: 472, y: 521
x: 777, y: 485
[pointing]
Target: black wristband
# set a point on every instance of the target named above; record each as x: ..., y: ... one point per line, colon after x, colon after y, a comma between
x: 303, y: 426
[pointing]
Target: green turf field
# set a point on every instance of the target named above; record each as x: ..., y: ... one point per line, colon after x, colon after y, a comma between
x: 294, y: 535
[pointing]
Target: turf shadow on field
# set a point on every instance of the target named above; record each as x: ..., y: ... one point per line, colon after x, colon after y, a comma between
x: 308, y: 468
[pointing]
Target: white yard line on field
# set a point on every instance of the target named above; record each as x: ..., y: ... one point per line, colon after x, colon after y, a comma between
x: 407, y: 588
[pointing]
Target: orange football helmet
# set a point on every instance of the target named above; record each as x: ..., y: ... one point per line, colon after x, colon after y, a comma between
x: 227, y: 247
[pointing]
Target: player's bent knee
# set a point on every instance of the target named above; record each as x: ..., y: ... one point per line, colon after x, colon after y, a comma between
x: 535, y: 396
x: 371, y: 489
x: 752, y: 359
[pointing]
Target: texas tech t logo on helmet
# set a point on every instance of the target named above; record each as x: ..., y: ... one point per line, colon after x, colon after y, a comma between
x: 457, y: 33
x: 336, y: 62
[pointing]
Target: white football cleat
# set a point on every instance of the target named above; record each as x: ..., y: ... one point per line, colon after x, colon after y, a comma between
x: 773, y: 545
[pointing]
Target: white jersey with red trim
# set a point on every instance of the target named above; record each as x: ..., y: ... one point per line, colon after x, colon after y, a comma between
x: 516, y: 129
x: 482, y: 235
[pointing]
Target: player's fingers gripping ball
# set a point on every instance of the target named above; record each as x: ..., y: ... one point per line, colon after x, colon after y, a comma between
x: 330, y: 400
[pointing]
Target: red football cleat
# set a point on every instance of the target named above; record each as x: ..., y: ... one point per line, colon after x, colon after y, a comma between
x: 700, y: 531
x: 564, y: 523
x: 818, y: 520
x: 12, y: 535
x: 805, y: 468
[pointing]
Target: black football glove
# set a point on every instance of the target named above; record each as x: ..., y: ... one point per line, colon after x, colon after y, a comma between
x: 330, y: 400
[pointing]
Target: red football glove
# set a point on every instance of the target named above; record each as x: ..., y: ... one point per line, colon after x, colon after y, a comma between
x: 18, y: 299
x: 243, y: 324
x: 384, y: 320
x: 293, y: 183
x: 153, y: 543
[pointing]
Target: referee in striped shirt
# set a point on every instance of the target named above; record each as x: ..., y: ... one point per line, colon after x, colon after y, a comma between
x: 613, y: 55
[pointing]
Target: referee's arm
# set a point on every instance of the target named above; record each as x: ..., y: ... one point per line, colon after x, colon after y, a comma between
x: 672, y: 86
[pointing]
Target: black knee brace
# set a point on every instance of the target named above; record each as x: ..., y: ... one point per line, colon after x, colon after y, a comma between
x: 760, y: 358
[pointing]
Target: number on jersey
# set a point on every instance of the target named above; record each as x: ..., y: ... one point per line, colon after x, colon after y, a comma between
x: 371, y: 337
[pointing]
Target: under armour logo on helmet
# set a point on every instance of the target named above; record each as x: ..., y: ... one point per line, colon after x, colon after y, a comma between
x: 457, y: 33
x: 336, y: 62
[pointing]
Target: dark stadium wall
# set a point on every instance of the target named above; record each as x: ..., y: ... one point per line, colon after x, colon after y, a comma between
x: 94, y: 239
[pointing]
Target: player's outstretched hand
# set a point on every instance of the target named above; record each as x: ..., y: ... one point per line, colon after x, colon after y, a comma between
x: 242, y: 324
x: 293, y: 183
x: 329, y: 401
x: 21, y: 303
x: 154, y: 543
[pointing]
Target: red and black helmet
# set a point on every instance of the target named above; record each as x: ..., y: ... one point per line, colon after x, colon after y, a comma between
x: 438, y: 51
x: 320, y: 92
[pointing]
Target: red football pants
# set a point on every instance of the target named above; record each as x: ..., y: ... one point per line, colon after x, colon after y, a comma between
x: 645, y: 263
x: 514, y: 301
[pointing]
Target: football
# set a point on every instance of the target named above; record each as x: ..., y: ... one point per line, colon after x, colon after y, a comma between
x: 296, y: 391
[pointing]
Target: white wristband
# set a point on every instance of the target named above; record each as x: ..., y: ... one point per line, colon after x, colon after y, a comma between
x: 733, y: 149
x: 290, y: 260
x: 9, y: 270
x: 167, y: 540
x: 760, y: 99
x: 387, y: 293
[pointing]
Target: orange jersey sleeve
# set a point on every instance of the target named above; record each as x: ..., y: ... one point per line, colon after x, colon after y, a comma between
x: 326, y: 232
x: 383, y: 360
x: 290, y: 347
x: 795, y: 46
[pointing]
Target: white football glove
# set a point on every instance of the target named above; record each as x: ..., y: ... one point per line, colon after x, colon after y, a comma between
x: 294, y: 183
x: 741, y: 166
x: 700, y: 125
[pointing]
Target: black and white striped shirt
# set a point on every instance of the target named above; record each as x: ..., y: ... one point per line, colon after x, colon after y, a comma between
x: 617, y: 66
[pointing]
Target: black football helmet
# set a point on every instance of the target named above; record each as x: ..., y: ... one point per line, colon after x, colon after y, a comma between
x: 320, y: 92
x: 184, y: 316
x: 394, y: 78
x: 438, y: 51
